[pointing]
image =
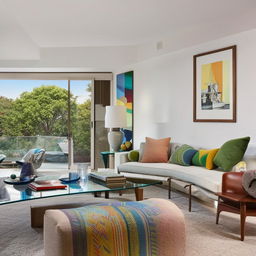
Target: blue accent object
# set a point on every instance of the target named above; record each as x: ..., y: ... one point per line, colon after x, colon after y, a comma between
x: 127, y: 135
x: 26, y: 170
x: 68, y: 180
x: 75, y: 185
x: 37, y: 150
x: 25, y: 180
x: 105, y: 157
x: 73, y: 175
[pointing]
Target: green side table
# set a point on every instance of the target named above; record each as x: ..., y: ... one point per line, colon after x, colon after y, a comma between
x: 105, y: 157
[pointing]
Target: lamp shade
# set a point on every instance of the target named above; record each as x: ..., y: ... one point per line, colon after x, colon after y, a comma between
x: 115, y: 116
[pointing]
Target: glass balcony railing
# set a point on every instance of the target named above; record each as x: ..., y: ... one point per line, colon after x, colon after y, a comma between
x: 14, y: 148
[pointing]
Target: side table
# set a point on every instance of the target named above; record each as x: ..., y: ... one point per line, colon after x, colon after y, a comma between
x: 108, y: 159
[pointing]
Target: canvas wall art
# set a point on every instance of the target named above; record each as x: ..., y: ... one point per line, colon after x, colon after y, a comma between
x: 124, y: 96
x: 215, y: 86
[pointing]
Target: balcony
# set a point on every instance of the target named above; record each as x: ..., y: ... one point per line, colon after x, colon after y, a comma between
x: 56, y: 156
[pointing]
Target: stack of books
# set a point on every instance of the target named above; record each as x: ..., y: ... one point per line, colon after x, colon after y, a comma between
x: 41, y: 185
x: 108, y: 178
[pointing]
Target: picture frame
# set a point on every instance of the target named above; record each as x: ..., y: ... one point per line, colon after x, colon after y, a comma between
x: 214, y: 89
x: 125, y: 97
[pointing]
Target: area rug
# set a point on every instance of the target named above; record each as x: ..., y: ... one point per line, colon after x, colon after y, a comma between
x: 204, y: 237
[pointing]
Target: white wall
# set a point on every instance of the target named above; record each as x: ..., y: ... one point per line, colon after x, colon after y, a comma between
x: 163, y: 90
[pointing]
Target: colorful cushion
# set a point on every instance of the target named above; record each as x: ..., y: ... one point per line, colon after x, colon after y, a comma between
x: 196, y: 160
x: 145, y: 228
x: 205, y: 158
x: 230, y: 153
x: 133, y: 156
x: 156, y: 151
x: 183, y: 155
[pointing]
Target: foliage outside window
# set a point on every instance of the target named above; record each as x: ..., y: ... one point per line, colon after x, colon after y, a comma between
x: 44, y: 112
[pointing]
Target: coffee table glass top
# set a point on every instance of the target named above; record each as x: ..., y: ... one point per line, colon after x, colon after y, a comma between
x: 17, y: 193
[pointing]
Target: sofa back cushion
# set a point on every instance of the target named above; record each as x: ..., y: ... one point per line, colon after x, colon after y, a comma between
x: 173, y: 147
x: 142, y: 145
x: 156, y: 150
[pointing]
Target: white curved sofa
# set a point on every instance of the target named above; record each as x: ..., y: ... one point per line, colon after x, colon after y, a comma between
x: 205, y: 182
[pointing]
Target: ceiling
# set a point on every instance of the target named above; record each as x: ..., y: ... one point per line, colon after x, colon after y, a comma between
x: 84, y: 23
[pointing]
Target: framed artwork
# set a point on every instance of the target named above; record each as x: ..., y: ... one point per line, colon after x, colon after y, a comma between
x: 124, y: 96
x: 215, y: 86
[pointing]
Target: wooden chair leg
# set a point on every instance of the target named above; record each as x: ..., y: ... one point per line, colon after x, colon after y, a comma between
x: 242, y: 219
x: 218, y: 212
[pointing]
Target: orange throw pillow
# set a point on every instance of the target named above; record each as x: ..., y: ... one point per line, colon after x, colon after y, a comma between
x: 156, y: 151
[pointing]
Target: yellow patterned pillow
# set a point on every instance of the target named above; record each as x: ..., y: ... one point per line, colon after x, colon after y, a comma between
x: 205, y: 157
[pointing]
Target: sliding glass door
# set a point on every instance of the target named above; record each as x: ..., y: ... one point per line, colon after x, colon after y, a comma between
x: 34, y: 115
x: 62, y: 113
x: 80, y: 121
x: 50, y: 114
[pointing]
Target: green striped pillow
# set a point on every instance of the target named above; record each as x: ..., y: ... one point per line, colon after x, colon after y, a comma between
x: 183, y: 155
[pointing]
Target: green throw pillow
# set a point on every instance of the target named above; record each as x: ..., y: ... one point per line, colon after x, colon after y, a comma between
x: 231, y: 153
x: 183, y: 155
x: 134, y: 155
x: 196, y: 160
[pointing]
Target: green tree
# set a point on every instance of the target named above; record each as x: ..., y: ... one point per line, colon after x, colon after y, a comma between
x: 5, y: 107
x: 43, y: 111
x: 81, y: 130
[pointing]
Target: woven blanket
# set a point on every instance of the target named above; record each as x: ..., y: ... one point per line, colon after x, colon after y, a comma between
x: 249, y: 182
x: 120, y: 229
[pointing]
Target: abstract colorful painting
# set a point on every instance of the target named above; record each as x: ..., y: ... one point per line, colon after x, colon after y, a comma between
x: 215, y: 86
x: 124, y: 96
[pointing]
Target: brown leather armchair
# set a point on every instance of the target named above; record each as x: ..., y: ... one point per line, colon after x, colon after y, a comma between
x: 235, y: 199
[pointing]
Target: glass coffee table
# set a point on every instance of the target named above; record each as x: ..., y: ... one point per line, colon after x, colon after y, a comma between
x: 19, y: 193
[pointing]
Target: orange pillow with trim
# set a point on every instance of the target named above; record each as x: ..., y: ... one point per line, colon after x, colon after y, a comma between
x: 156, y: 150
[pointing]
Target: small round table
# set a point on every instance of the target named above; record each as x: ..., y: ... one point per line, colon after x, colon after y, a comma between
x: 105, y: 157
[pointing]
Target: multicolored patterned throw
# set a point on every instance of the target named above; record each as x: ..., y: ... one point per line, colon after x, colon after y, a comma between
x: 119, y: 229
